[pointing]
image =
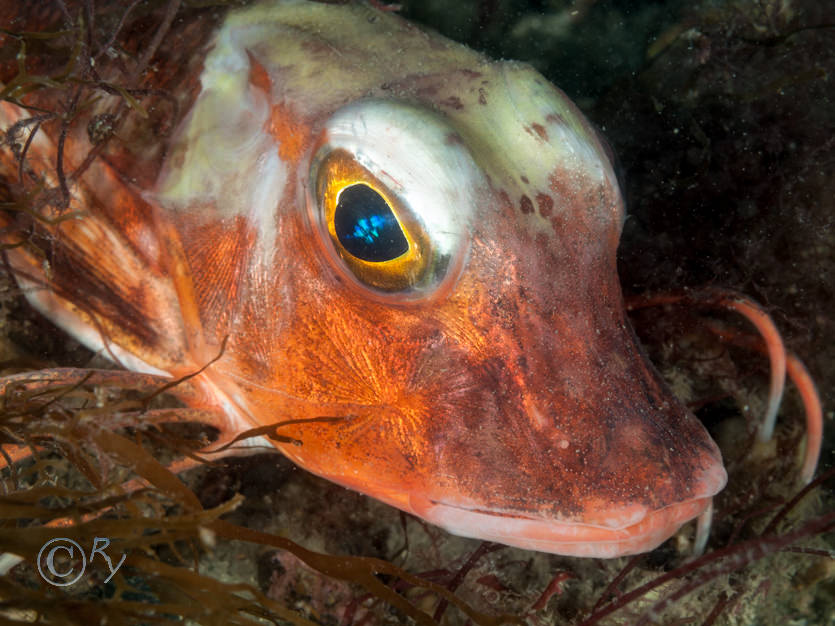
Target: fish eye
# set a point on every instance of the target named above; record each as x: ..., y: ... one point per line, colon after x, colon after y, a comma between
x: 365, y: 225
x: 390, y: 196
x: 376, y: 236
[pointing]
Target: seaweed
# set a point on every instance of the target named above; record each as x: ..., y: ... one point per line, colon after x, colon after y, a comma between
x: 71, y: 434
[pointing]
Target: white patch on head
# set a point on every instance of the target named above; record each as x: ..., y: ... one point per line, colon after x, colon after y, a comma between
x: 224, y: 158
x: 265, y: 194
x: 534, y: 101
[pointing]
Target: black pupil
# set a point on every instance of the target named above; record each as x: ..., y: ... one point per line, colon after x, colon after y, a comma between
x: 366, y: 227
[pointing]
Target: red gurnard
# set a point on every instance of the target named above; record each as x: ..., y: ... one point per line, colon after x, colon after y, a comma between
x: 372, y: 224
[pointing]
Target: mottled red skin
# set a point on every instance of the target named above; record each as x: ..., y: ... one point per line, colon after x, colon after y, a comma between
x: 521, y: 387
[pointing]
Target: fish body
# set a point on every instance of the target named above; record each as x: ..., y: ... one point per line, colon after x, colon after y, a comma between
x: 356, y: 220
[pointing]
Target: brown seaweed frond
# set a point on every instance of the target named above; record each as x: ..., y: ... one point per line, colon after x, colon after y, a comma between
x: 73, y: 489
x: 66, y: 81
x: 24, y: 83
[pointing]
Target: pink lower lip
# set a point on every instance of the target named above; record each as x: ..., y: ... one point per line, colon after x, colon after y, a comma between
x: 603, y: 530
x: 566, y: 538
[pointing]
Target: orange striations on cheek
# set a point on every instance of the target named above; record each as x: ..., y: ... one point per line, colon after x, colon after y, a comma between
x: 217, y: 252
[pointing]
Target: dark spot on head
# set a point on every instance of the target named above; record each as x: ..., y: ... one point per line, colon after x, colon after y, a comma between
x: 453, y: 102
x: 559, y: 224
x: 316, y: 47
x: 526, y: 205
x: 426, y: 90
x: 539, y: 129
x: 453, y: 139
x: 545, y: 204
x: 555, y: 118
x: 524, y: 179
x: 482, y: 96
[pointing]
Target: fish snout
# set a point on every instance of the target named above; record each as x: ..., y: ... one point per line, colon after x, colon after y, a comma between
x: 598, y: 459
x: 598, y: 520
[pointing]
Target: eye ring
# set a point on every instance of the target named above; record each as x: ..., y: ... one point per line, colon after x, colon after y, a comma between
x: 338, y: 174
x: 413, y: 162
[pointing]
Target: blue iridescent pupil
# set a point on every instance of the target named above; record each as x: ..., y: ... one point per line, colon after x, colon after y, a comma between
x: 366, y: 226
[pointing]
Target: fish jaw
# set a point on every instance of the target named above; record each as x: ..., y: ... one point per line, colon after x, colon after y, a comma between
x: 582, y: 540
x: 631, y: 530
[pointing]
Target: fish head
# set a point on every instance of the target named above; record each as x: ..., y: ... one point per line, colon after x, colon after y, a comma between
x: 425, y: 289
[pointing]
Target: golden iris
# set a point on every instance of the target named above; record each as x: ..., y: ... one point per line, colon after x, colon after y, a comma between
x: 375, y: 234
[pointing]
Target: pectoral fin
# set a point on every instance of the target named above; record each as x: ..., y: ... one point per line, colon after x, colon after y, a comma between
x: 97, y: 267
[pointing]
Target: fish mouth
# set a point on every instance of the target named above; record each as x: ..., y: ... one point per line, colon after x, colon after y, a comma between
x: 613, y: 531
x: 565, y: 538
